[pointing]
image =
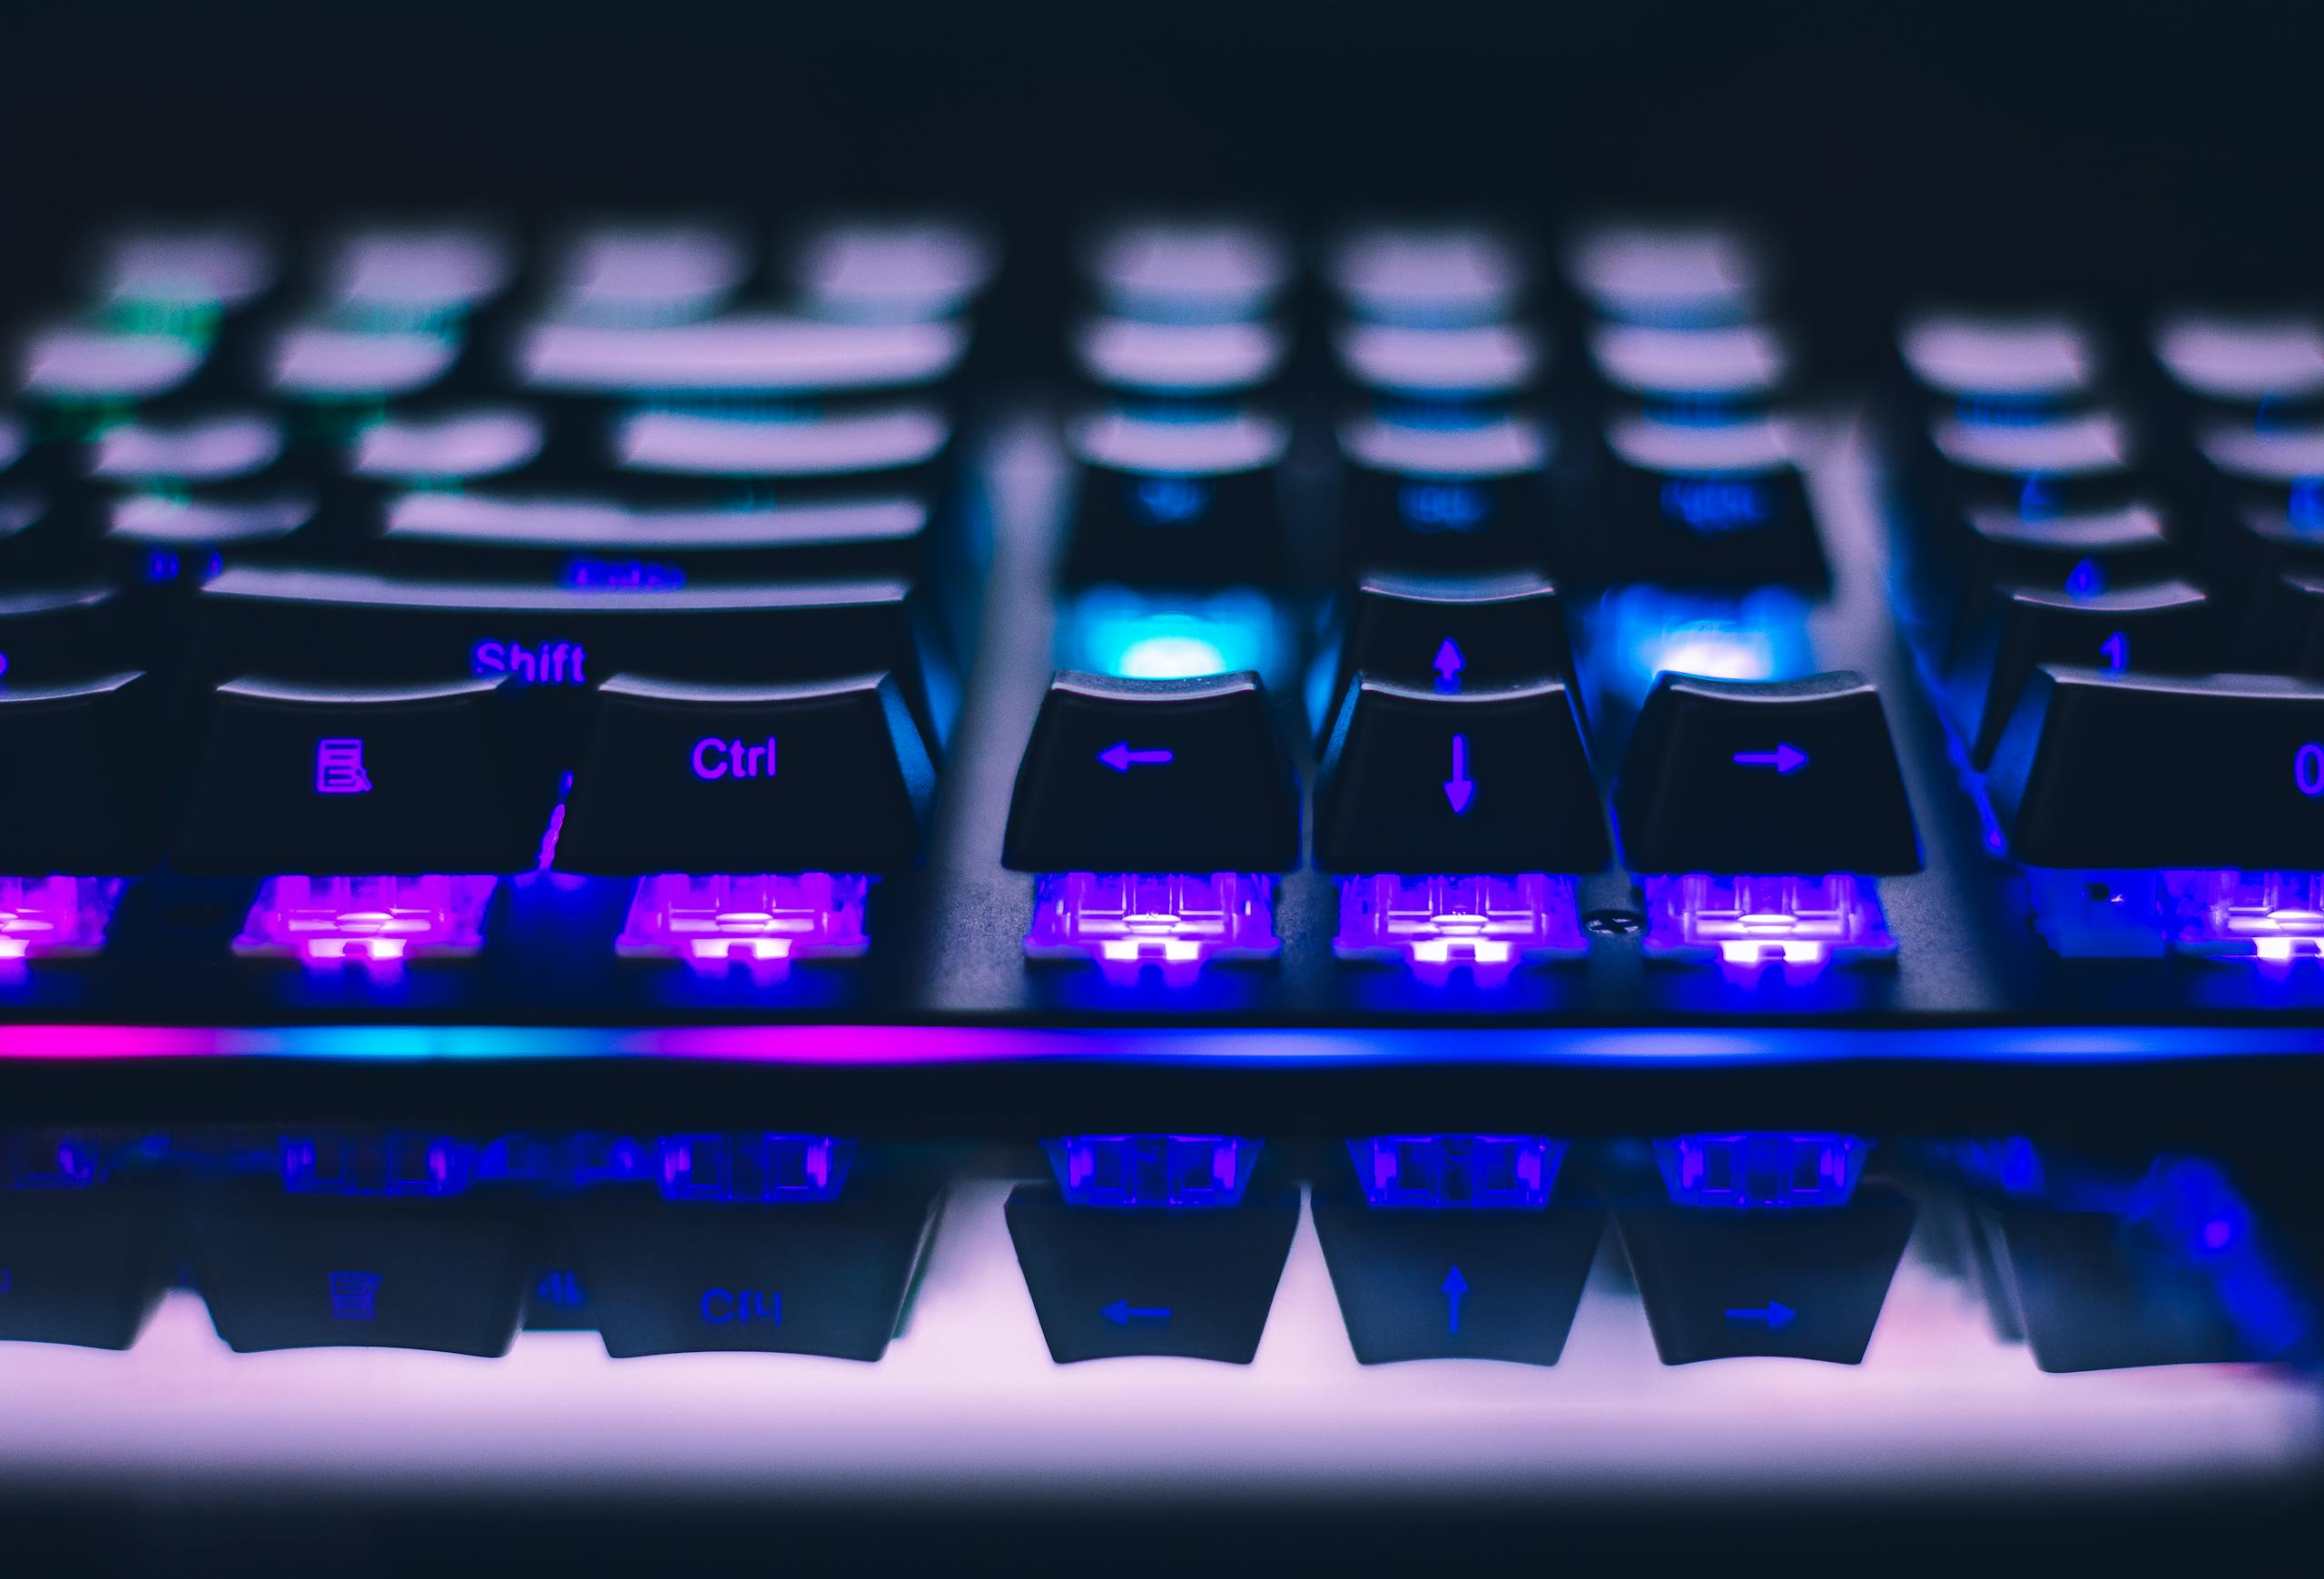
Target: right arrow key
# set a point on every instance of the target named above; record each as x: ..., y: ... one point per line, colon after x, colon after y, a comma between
x: 1765, y: 776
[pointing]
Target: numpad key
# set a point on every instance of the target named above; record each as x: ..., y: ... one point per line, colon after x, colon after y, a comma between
x: 1404, y: 789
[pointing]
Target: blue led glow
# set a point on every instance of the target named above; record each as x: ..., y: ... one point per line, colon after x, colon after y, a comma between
x: 1175, y: 1172
x: 1436, y: 1172
x: 396, y: 1164
x: 1168, y: 501
x: 1443, y: 506
x: 1761, y: 1168
x: 771, y: 1168
x: 1638, y: 632
x: 1143, y: 635
x: 587, y: 573
x: 51, y: 1161
x: 1711, y: 504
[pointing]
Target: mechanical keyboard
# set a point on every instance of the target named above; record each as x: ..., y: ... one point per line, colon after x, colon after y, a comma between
x: 1397, y: 790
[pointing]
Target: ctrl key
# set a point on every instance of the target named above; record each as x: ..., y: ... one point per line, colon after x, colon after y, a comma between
x: 447, y: 1275
x: 829, y: 1277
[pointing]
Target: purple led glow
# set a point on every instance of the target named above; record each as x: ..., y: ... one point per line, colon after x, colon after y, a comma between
x: 2272, y: 917
x: 54, y: 915
x: 762, y: 921
x: 1434, y: 1172
x: 767, y: 1168
x: 1182, y: 1172
x: 1438, y: 925
x: 1128, y: 920
x: 376, y: 921
x: 1761, y: 1168
x: 1748, y: 922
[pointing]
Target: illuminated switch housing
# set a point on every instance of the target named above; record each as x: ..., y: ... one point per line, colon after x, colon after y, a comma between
x: 1449, y: 1247
x: 1762, y: 1243
x: 1156, y: 812
x: 1154, y: 1243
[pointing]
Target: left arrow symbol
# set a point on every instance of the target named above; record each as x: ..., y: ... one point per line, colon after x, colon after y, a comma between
x: 1121, y: 1313
x: 1121, y: 759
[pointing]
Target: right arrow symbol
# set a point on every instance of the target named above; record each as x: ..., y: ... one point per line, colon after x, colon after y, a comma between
x: 1458, y: 789
x: 1775, y: 1313
x: 1785, y: 758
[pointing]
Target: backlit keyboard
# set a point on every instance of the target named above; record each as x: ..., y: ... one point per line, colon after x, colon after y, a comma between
x: 1390, y: 791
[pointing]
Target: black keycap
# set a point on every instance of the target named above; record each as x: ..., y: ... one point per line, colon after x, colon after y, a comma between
x: 1766, y: 776
x: 1694, y: 374
x: 393, y: 782
x: 1676, y: 273
x: 72, y: 366
x: 336, y: 365
x: 2084, y: 552
x: 2261, y: 369
x: 2266, y: 509
x: 74, y: 800
x: 1174, y: 503
x: 1419, y: 780
x: 1176, y: 362
x: 890, y: 270
x: 49, y: 635
x: 413, y: 273
x: 1446, y: 497
x: 2091, y: 1291
x: 2100, y: 769
x: 2285, y: 627
x: 1803, y: 1283
x: 1453, y: 632
x: 555, y: 641
x: 893, y: 446
x: 44, y: 536
x: 2083, y: 463
x: 464, y: 445
x: 1187, y: 270
x: 600, y: 543
x: 2001, y: 363
x: 1154, y: 775
x: 1456, y: 1285
x: 1720, y: 506
x: 1432, y: 366
x: 683, y: 1277
x: 638, y: 274
x: 85, y: 1267
x: 445, y: 1274
x: 216, y: 448
x: 167, y: 545
x: 1427, y: 274
x: 1192, y: 1283
x: 737, y: 355
x: 709, y: 779
x: 2160, y: 628
x: 193, y: 268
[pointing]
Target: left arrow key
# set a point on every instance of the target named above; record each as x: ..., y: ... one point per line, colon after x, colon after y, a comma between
x: 1154, y: 775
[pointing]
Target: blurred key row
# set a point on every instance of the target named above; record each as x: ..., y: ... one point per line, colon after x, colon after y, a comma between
x: 1439, y: 1246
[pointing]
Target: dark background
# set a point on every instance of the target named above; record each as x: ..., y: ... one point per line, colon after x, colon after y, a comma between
x: 1978, y: 147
